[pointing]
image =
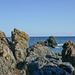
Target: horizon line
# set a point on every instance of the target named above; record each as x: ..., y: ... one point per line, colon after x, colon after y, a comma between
x: 48, y: 36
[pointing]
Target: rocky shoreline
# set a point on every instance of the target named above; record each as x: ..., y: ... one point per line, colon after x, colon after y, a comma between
x: 16, y: 58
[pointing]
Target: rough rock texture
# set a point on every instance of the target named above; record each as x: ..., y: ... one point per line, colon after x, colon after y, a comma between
x: 41, y: 43
x: 37, y: 50
x: 7, y: 60
x: 51, y: 42
x: 12, y: 52
x: 16, y: 58
x: 41, y: 61
x: 19, y: 44
x: 68, y: 52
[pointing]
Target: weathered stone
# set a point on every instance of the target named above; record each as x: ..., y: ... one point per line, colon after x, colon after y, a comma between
x: 51, y: 42
x: 38, y: 50
x: 7, y: 60
x: 68, y: 52
x: 20, y: 44
x: 33, y: 69
x: 41, y: 43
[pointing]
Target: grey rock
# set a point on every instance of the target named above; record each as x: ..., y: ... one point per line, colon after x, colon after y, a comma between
x: 51, y: 42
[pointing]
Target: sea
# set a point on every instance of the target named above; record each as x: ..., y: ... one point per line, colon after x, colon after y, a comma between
x: 60, y: 41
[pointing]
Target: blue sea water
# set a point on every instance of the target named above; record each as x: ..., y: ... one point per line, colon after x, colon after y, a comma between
x: 60, y: 41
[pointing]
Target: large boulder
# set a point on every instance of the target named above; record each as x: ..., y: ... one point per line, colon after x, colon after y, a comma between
x: 19, y: 44
x: 41, y: 61
x: 68, y: 52
x: 7, y: 60
x: 51, y: 42
x: 37, y: 50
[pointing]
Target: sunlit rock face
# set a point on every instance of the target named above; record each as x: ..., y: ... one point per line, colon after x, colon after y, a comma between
x: 16, y: 58
x: 68, y: 52
x: 19, y: 44
x: 7, y: 60
x: 41, y: 61
x: 12, y: 52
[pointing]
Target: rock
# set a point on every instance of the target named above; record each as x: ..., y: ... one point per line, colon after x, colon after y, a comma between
x: 19, y: 72
x: 73, y: 73
x: 66, y: 68
x: 59, y: 54
x: 51, y: 42
x: 41, y: 61
x: 19, y: 44
x: 40, y: 42
x: 68, y: 52
x: 16, y: 58
x: 7, y: 60
x: 37, y: 50
x: 33, y: 69
x: 54, y: 70
x: 41, y: 55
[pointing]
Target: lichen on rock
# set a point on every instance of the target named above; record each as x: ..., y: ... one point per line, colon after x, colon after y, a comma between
x: 20, y: 42
x: 51, y: 42
x: 7, y: 60
x: 68, y: 52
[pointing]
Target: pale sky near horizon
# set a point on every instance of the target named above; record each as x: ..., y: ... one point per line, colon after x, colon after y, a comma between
x: 38, y: 17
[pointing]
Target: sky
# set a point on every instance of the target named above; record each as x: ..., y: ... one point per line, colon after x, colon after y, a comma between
x: 38, y: 17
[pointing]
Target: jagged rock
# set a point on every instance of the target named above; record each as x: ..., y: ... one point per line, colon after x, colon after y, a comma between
x: 33, y: 69
x: 19, y: 44
x: 51, y: 42
x: 66, y: 68
x: 41, y: 61
x: 40, y: 42
x: 37, y: 50
x: 17, y: 59
x: 7, y: 60
x: 68, y: 52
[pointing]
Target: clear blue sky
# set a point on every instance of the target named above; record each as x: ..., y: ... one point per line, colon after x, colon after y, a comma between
x: 38, y: 17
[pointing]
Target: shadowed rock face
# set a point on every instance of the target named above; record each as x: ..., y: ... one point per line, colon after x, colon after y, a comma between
x: 73, y: 73
x: 41, y: 61
x: 51, y: 42
x: 20, y: 44
x: 68, y: 52
x: 16, y: 58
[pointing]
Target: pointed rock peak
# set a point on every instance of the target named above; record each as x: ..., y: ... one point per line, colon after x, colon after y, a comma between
x: 2, y: 34
x: 21, y: 33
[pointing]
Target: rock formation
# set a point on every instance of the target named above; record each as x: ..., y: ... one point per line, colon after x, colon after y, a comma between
x: 68, y: 52
x: 20, y: 44
x: 7, y: 60
x: 37, y: 50
x: 41, y: 61
x: 51, y: 42
x: 12, y: 52
x: 41, y: 43
x: 16, y: 58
